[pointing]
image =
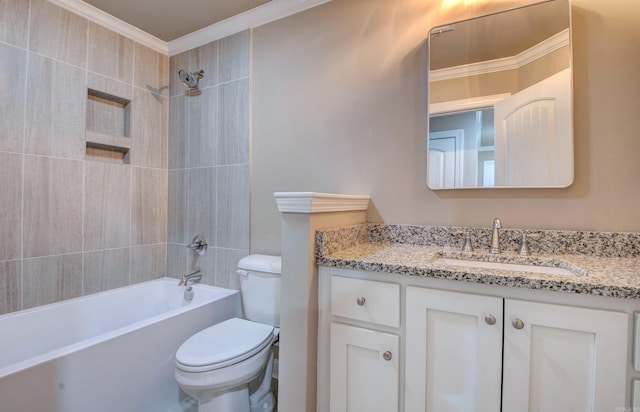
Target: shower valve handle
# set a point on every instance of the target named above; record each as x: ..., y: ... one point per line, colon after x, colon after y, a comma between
x: 198, y: 245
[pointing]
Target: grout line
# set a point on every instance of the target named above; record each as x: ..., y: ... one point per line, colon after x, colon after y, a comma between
x: 47, y: 156
x: 187, y: 162
x: 250, y: 136
x: 24, y: 145
x: 208, y: 167
x: 130, y: 246
x: 15, y: 46
x: 84, y: 168
x: 133, y: 105
x: 56, y: 60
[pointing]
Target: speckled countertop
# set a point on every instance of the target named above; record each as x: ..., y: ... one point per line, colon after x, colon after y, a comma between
x: 601, y: 263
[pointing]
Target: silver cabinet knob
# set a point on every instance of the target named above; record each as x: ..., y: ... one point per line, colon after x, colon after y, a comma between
x: 518, y: 324
x: 387, y: 356
x: 490, y: 319
x: 361, y: 301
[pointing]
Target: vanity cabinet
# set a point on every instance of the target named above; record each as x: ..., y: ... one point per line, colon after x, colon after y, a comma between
x: 556, y: 358
x: 456, y: 346
x: 363, y: 350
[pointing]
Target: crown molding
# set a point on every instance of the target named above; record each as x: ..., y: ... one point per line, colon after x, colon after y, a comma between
x: 471, y: 103
x: 312, y: 202
x: 98, y: 16
x: 553, y: 43
x: 541, y: 49
x: 263, y: 14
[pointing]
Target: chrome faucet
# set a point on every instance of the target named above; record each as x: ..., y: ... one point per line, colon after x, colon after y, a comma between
x: 191, y: 277
x: 495, y: 237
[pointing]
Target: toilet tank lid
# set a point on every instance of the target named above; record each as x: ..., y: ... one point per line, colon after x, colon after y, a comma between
x: 261, y: 263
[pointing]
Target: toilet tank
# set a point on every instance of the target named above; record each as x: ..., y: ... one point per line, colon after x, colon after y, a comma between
x: 260, y: 288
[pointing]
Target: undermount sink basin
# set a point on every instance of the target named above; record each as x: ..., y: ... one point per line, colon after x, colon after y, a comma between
x: 515, y: 267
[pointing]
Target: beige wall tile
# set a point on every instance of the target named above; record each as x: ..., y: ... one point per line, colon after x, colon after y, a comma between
x: 109, y: 86
x: 226, y: 266
x: 232, y: 207
x: 52, y: 206
x: 148, y: 262
x: 56, y: 96
x: 177, y: 255
x: 203, y: 58
x: 178, y: 208
x: 203, y: 128
x: 234, y: 54
x: 14, y: 21
x: 205, y: 264
x: 151, y: 70
x: 107, y: 204
x: 233, y: 118
x: 51, y: 279
x: 178, y: 144
x: 202, y: 203
x: 10, y: 286
x: 57, y: 33
x: 177, y: 62
x: 206, y: 58
x: 12, y: 89
x: 10, y: 206
x: 104, y: 270
x: 149, y: 129
x: 110, y: 54
x: 149, y: 206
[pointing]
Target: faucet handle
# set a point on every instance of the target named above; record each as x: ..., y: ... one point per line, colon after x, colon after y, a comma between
x: 524, y: 247
x: 468, y: 247
x: 524, y: 243
x: 198, y: 245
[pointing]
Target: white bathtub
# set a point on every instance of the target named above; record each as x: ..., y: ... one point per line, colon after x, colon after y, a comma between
x: 111, y: 351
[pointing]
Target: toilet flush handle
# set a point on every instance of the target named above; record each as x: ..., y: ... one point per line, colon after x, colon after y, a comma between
x: 242, y: 272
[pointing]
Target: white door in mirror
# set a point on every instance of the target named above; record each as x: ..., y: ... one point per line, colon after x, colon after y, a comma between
x: 533, y: 135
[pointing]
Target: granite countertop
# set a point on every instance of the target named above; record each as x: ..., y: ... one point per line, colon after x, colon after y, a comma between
x: 596, y: 275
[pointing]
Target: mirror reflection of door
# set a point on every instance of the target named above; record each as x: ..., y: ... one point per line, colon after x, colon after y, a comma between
x: 474, y: 149
x: 533, y: 135
x: 445, y: 159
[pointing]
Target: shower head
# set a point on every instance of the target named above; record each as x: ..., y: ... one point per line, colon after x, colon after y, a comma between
x: 190, y: 79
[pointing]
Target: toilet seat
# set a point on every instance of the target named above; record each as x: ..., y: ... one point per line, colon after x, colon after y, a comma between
x: 223, y: 344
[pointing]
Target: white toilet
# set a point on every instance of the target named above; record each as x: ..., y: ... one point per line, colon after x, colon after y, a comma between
x: 216, y: 365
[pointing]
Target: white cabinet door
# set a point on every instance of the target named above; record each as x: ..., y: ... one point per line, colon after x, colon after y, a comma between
x: 363, y: 370
x: 560, y: 358
x: 453, y: 352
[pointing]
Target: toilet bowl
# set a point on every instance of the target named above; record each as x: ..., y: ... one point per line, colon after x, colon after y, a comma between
x: 216, y: 365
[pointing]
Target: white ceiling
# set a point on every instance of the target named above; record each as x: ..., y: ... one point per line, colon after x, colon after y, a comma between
x: 171, y: 19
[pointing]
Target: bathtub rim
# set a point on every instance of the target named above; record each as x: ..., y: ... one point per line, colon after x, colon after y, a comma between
x: 112, y: 334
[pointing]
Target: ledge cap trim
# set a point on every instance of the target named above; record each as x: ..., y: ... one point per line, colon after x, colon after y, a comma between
x: 313, y: 202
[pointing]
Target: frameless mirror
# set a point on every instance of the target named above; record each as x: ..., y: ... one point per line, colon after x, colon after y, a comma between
x: 500, y: 100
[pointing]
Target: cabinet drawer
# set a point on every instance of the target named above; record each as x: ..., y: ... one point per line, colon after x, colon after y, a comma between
x: 366, y: 300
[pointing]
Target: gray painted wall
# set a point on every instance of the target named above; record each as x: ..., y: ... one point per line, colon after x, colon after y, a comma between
x: 339, y: 105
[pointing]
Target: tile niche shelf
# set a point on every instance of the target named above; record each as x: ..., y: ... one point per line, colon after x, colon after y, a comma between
x: 108, y: 125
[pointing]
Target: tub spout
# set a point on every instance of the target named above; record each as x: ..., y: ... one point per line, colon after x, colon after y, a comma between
x: 191, y: 277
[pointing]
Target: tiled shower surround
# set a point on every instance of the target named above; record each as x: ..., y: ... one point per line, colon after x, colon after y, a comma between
x: 209, y: 160
x: 73, y: 223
